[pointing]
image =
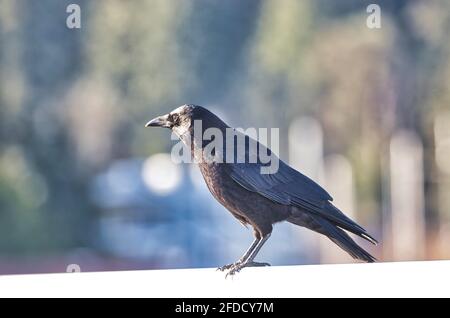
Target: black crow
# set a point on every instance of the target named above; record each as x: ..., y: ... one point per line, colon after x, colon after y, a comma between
x: 255, y: 198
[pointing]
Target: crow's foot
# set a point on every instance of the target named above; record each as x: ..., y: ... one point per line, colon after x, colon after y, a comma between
x: 237, y: 267
x: 229, y: 266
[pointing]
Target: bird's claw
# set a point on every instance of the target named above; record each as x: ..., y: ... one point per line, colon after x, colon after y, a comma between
x: 256, y: 264
x: 237, y: 267
x: 233, y: 271
x: 228, y: 266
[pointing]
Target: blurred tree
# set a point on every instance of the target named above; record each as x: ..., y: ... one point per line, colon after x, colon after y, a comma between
x: 74, y: 101
x: 40, y: 56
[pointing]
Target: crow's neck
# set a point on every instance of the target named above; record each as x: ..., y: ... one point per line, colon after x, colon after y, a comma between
x: 202, y: 136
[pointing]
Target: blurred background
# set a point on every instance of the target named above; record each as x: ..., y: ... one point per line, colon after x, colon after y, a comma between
x: 364, y: 112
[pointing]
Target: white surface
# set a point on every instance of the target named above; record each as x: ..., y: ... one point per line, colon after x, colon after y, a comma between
x: 409, y: 279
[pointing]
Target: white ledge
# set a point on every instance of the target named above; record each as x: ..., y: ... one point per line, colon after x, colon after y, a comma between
x: 406, y: 279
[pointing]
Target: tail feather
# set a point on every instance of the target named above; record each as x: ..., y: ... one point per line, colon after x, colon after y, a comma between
x: 344, y: 241
x: 336, y: 217
x: 335, y: 234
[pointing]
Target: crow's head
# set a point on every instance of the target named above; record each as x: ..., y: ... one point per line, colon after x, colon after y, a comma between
x: 176, y: 118
x: 181, y: 120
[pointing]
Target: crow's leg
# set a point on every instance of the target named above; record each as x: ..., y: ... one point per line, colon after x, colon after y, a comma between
x: 243, y: 257
x: 249, y: 261
x: 255, y: 251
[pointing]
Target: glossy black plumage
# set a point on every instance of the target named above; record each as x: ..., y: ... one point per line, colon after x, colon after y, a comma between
x: 260, y: 200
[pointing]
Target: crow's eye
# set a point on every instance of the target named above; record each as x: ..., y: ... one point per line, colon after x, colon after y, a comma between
x: 174, y: 118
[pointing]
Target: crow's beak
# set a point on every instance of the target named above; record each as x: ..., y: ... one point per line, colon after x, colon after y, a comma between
x: 161, y: 121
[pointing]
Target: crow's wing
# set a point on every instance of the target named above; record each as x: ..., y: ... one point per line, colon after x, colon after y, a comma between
x: 286, y: 186
x: 289, y: 187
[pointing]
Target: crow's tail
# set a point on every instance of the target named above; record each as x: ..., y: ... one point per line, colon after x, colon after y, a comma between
x: 353, y: 227
x: 344, y: 241
x: 335, y: 234
x: 337, y: 218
